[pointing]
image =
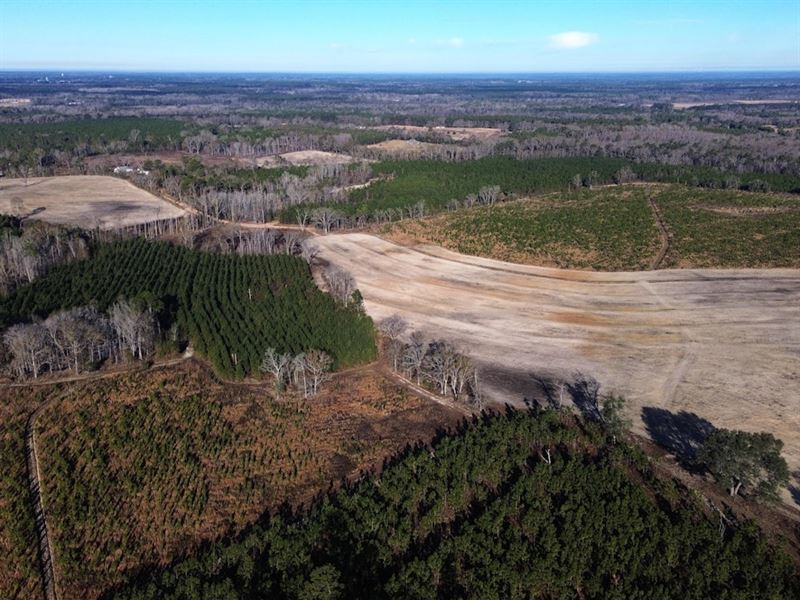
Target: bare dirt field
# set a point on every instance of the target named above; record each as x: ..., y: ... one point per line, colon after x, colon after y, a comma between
x: 683, y: 105
x: 304, y: 158
x: 409, y: 148
x: 724, y: 344
x: 457, y: 134
x: 83, y: 200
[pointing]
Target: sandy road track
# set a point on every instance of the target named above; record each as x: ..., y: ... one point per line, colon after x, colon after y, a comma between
x: 724, y: 344
x: 45, y: 542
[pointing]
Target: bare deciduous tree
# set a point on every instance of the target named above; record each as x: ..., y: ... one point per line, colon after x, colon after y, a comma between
x: 134, y: 328
x: 65, y: 340
x: 414, y: 356
x: 29, y: 348
x: 309, y: 251
x: 278, y: 365
x: 292, y: 243
x: 317, y: 363
x: 392, y: 328
x: 489, y: 194
x: 298, y: 369
x: 303, y: 216
x: 325, y: 218
x: 340, y: 284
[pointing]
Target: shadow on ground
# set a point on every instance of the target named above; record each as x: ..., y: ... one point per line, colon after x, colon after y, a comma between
x: 681, y: 433
x: 794, y: 489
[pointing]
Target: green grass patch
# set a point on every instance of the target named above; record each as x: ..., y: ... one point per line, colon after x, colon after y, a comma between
x: 724, y: 228
x: 614, y: 229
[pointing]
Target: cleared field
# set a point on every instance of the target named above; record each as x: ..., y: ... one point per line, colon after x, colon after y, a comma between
x: 139, y: 469
x: 87, y: 201
x: 303, y: 158
x: 682, y: 105
x: 404, y: 148
x: 722, y: 344
x: 457, y: 134
x: 615, y: 228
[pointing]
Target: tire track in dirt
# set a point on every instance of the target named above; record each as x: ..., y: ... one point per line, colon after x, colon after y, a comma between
x: 664, y: 234
x: 46, y: 554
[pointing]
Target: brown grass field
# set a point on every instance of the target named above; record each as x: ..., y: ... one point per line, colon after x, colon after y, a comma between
x: 404, y: 148
x: 87, y: 201
x: 724, y: 344
x: 142, y: 467
x: 302, y: 158
x: 457, y: 134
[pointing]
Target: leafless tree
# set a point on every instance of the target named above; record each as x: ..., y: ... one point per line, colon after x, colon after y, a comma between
x: 625, y: 175
x: 414, y: 356
x: 340, y: 284
x: 66, y: 339
x: 489, y: 194
x: 299, y: 371
x: 134, y: 327
x: 309, y: 251
x: 325, y: 218
x: 278, y: 365
x: 449, y: 370
x: 303, y: 216
x: 29, y: 347
x: 392, y: 328
x: 318, y: 364
x: 258, y: 242
x: 438, y: 365
x: 25, y: 257
x: 292, y: 242
x: 463, y: 376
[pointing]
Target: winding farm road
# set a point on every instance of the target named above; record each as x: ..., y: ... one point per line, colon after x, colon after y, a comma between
x: 724, y: 344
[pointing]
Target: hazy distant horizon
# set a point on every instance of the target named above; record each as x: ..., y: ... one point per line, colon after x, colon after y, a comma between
x: 789, y: 72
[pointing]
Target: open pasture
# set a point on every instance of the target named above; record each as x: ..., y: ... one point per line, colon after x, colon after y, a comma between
x: 89, y: 201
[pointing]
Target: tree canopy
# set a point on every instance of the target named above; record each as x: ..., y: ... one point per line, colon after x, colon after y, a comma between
x: 480, y: 514
x: 744, y: 462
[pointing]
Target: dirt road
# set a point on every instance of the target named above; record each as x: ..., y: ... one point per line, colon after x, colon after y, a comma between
x: 45, y: 542
x: 722, y: 344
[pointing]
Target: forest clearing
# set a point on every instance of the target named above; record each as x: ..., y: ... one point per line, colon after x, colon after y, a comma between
x: 89, y: 201
x: 721, y: 344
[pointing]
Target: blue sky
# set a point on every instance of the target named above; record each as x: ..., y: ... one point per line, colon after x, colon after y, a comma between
x: 407, y: 36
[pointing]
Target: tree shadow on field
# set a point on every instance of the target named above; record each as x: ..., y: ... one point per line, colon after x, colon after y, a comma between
x: 681, y: 433
x: 585, y: 393
x: 794, y: 490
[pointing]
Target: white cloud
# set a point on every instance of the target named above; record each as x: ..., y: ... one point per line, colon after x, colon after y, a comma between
x: 453, y: 42
x: 570, y: 40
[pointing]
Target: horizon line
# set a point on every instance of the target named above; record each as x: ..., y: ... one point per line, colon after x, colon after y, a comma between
x: 137, y: 70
